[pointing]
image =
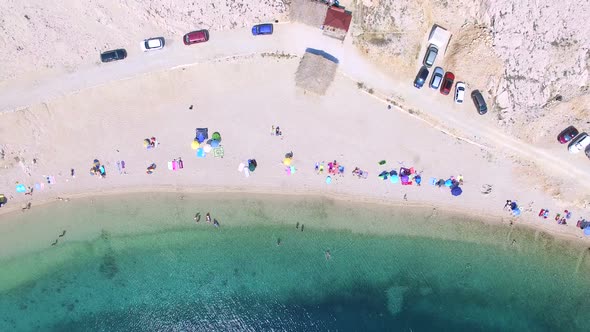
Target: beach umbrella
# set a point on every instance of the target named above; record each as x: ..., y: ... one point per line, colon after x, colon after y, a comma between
x: 384, y: 175
x: 418, y: 179
x: 252, y: 164
x: 216, y: 136
x: 287, y: 161
x: 201, y: 137
x: 587, y: 231
x: 207, y: 148
x: 394, y: 179
x: 456, y: 191
x: 289, y: 155
x: 214, y: 143
x: 194, y: 145
x: 448, y: 183
x: 328, y: 179
x: 513, y: 206
x: 200, y: 153
x: 405, y: 179
x: 146, y: 142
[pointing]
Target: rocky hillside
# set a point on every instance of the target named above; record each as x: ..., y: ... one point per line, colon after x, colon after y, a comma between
x: 529, y: 56
x: 38, y: 36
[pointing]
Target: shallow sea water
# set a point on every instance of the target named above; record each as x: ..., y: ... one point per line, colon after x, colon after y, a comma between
x: 140, y: 263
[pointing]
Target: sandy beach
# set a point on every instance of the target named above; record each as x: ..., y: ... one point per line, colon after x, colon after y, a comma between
x: 240, y: 86
x: 348, y: 124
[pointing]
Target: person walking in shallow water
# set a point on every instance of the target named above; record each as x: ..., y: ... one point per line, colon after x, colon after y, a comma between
x: 297, y: 225
x: 302, y: 225
x: 208, y: 217
x: 198, y: 217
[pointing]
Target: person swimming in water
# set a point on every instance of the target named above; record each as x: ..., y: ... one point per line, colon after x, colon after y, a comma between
x: 278, y: 241
x: 297, y: 226
x: 198, y: 217
x: 215, y: 223
x: 328, y: 255
x: 208, y: 217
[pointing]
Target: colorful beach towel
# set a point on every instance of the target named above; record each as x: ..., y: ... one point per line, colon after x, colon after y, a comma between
x: 218, y: 152
x: 200, y: 153
x: 20, y: 188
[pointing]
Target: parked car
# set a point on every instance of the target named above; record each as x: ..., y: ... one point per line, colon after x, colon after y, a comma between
x: 447, y: 83
x: 199, y: 36
x: 437, y: 76
x: 567, y: 134
x: 150, y: 44
x: 421, y: 77
x: 479, y: 102
x: 579, y: 143
x: 459, y: 92
x: 430, y: 55
x: 113, y: 55
x: 262, y: 29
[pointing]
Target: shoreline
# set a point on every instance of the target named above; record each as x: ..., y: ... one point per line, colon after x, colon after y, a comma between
x: 464, y: 213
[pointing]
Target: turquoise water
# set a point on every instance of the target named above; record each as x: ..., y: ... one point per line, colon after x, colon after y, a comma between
x: 123, y: 273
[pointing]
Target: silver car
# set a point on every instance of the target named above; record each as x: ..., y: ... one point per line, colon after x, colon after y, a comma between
x: 150, y: 44
x: 430, y: 55
x: 437, y: 76
x: 579, y: 143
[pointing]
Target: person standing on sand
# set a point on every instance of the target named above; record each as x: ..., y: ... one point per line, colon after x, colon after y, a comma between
x: 508, y: 202
x: 272, y: 130
x: 208, y: 217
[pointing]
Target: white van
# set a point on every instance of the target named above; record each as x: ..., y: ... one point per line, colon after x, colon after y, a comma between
x: 579, y: 143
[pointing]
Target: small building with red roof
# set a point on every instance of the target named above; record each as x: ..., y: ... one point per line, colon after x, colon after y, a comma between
x: 337, y: 22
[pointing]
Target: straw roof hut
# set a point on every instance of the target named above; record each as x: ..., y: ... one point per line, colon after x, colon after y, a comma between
x: 316, y: 72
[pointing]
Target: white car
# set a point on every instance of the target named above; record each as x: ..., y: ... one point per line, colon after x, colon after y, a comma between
x: 579, y: 143
x: 459, y: 92
x: 151, y: 44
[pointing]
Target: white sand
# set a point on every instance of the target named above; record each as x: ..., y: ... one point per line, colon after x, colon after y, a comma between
x: 242, y: 99
x: 63, y: 109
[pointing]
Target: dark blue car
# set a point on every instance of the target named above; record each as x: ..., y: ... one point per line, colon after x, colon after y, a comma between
x: 262, y: 29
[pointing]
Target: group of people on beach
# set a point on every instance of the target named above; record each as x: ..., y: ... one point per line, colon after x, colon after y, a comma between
x: 197, y: 218
x: 561, y: 219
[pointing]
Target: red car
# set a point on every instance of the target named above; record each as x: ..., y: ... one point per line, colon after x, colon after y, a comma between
x: 567, y: 134
x: 194, y: 37
x: 447, y: 83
